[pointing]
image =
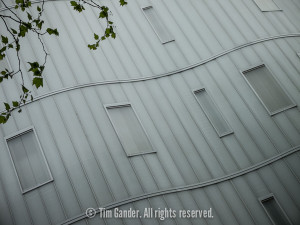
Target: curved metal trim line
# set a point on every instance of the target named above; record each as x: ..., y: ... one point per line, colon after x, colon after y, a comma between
x: 190, y: 187
x: 192, y: 66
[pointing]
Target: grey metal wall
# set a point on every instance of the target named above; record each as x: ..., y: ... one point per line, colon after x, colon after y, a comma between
x: 214, y: 41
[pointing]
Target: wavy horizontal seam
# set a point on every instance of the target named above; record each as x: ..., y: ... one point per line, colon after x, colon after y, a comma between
x: 133, y: 80
x: 190, y: 187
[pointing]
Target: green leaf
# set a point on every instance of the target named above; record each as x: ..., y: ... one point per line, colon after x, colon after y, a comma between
x: 96, y: 36
x: 77, y: 7
x: 103, y: 14
x: 123, y: 2
x: 18, y: 46
x: 4, y: 39
x: 37, y: 81
x: 33, y: 65
x: 73, y: 3
x: 38, y: 23
x: 7, y: 106
x: 15, y: 104
x: 92, y: 47
x: 52, y: 31
x: 23, y: 29
x: 2, y: 119
x: 29, y: 16
x: 14, y: 31
x: 3, y: 49
x: 24, y: 89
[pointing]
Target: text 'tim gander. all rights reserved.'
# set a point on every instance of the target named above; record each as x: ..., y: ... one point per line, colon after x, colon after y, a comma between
x: 148, y: 213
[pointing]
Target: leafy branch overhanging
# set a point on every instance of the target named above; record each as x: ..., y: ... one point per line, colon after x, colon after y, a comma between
x: 17, y: 27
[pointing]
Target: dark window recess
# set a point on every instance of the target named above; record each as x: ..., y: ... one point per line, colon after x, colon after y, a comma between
x: 274, y: 211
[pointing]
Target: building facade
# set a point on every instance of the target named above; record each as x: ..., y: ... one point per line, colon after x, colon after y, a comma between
x: 194, y: 106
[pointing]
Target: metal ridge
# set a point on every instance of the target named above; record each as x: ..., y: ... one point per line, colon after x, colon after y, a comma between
x: 140, y: 79
x: 189, y: 187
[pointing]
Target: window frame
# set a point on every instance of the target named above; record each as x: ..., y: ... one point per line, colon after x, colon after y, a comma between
x: 128, y: 104
x: 257, y: 4
x: 260, y: 65
x: 153, y: 27
x: 266, y: 198
x: 19, y: 134
x: 207, y: 114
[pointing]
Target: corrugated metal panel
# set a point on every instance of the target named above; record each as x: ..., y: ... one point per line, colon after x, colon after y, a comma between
x: 88, y: 163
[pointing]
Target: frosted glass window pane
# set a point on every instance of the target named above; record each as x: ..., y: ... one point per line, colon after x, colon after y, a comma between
x: 213, y: 113
x: 268, y: 89
x: 275, y: 212
x: 129, y: 130
x: 29, y: 161
x: 266, y: 5
x: 157, y: 25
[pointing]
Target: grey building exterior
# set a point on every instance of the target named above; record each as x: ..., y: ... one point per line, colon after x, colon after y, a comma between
x: 194, y: 106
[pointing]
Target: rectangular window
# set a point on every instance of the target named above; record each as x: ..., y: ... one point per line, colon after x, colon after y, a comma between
x: 267, y: 5
x: 213, y: 113
x: 274, y: 211
x: 268, y: 89
x: 28, y: 160
x: 129, y: 130
x: 157, y: 25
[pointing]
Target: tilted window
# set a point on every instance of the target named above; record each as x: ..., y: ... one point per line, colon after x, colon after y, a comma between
x: 213, y: 113
x: 159, y: 28
x: 268, y: 89
x: 274, y: 211
x: 28, y: 160
x: 267, y: 5
x: 129, y: 130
